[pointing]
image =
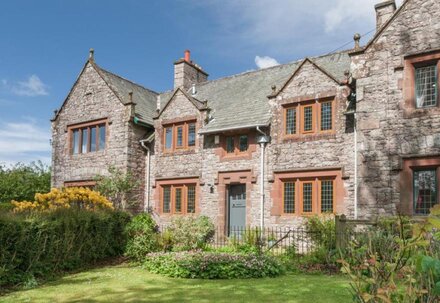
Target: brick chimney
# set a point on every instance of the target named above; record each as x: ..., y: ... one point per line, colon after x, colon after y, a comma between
x: 384, y: 11
x: 187, y: 73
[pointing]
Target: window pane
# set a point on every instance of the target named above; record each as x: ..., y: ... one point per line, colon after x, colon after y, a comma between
x: 243, y: 143
x: 308, y: 118
x: 85, y: 137
x: 326, y: 196
x: 425, y: 191
x: 178, y: 200
x: 230, y: 145
x: 191, y: 134
x: 191, y: 198
x: 426, y: 86
x: 179, y: 136
x: 307, y: 197
x: 168, y: 137
x: 289, y: 197
x: 291, y: 121
x: 93, y: 139
x: 166, y: 199
x: 102, y: 135
x: 326, y: 116
x: 75, y: 141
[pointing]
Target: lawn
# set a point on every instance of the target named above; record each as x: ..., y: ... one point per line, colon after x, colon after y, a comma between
x: 124, y: 283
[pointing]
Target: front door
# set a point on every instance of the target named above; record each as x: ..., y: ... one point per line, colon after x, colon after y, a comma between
x: 236, y: 208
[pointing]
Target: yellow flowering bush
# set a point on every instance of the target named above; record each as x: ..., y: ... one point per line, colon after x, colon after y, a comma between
x: 65, y: 198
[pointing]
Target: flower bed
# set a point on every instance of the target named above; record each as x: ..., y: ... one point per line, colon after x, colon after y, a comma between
x: 212, y: 265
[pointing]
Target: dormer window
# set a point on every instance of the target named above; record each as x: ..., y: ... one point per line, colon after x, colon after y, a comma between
x: 236, y: 144
x: 180, y: 136
x: 88, y: 137
x: 308, y: 118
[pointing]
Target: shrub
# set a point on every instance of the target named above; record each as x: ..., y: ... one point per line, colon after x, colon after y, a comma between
x: 211, y: 265
x: 21, y: 181
x: 65, y: 198
x: 142, y: 234
x: 188, y: 233
x: 119, y: 187
x: 391, y: 264
x: 40, y: 244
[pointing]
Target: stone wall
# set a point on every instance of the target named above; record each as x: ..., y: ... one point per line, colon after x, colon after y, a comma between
x: 311, y: 152
x: 91, y: 99
x: 386, y: 134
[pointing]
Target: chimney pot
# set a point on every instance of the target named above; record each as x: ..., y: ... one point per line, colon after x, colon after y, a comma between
x: 384, y: 11
x: 187, y: 55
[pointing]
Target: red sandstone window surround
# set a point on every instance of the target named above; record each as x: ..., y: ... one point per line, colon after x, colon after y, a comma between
x: 87, y: 184
x: 306, y: 192
x: 236, y: 145
x: 179, y: 136
x: 178, y: 198
x: 420, y: 185
x: 308, y: 196
x: 421, y: 81
x: 88, y: 137
x: 308, y: 118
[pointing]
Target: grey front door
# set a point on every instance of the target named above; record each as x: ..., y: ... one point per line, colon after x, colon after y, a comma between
x: 236, y: 208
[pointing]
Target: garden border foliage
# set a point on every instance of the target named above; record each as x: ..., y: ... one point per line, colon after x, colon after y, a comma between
x: 38, y: 245
x: 213, y: 265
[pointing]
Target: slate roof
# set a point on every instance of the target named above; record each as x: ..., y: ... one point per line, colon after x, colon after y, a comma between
x: 241, y: 101
x: 144, y: 98
x: 238, y: 101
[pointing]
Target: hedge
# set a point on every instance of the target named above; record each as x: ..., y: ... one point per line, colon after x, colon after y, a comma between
x: 41, y: 244
x: 212, y: 265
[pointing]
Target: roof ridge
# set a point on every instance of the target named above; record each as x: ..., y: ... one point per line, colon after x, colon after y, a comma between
x: 268, y: 68
x: 122, y: 78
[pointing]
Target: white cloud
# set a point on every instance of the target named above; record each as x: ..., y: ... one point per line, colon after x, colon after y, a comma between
x: 289, y: 28
x: 265, y: 62
x: 24, y: 141
x: 33, y: 86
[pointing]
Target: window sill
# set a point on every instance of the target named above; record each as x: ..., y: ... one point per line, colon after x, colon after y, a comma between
x: 90, y: 154
x: 235, y: 157
x: 420, y: 112
x: 178, y: 152
x: 306, y: 137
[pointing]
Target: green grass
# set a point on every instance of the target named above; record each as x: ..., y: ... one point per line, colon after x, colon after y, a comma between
x: 123, y: 283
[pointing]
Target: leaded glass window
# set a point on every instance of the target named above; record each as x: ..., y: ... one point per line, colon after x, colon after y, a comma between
x: 307, y: 197
x: 179, y: 139
x: 243, y: 143
x: 425, y: 191
x: 168, y: 137
x: 178, y: 200
x: 191, y: 134
x: 289, y: 197
x: 230, y: 146
x: 290, y: 121
x: 426, y: 86
x: 326, y: 196
x: 308, y: 118
x: 166, y: 199
x: 75, y: 141
x: 326, y: 116
x: 191, y: 199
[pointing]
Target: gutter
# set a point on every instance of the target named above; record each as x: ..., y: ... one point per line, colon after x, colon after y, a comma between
x: 147, y: 174
x: 219, y: 130
x: 263, y: 139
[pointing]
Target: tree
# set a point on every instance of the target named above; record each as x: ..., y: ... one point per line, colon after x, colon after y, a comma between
x: 22, y: 181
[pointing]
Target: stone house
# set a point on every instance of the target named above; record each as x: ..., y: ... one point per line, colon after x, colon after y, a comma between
x: 355, y: 132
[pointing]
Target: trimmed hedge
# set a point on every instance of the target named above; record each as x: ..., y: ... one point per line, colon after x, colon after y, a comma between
x: 212, y: 265
x: 38, y: 245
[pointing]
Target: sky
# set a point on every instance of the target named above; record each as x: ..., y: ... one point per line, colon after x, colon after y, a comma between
x: 44, y: 45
